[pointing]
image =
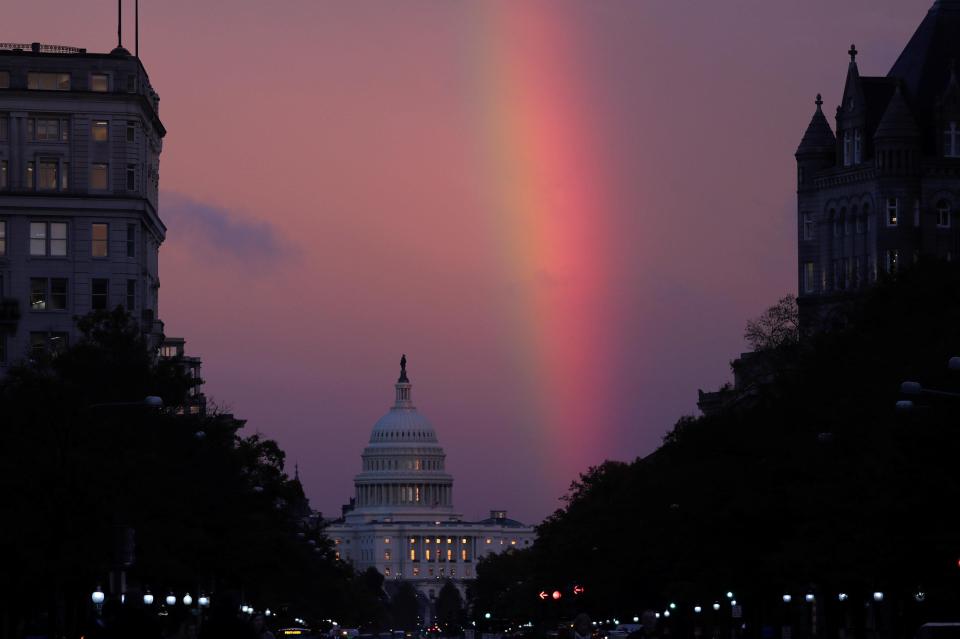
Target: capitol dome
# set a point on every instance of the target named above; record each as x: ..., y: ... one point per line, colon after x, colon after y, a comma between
x: 403, y: 475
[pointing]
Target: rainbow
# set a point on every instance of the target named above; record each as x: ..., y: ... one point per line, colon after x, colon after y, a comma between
x: 540, y: 149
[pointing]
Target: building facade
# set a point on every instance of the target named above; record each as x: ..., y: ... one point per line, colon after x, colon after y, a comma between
x: 402, y: 520
x: 80, y: 144
x: 884, y: 189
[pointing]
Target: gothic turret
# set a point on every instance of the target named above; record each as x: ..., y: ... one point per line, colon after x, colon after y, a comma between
x: 817, y: 146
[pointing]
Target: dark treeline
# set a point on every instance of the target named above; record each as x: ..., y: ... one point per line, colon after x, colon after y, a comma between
x: 811, y: 482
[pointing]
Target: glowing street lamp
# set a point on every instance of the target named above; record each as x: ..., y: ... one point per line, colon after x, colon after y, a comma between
x: 843, y: 596
x: 716, y: 606
x: 878, y: 596
x: 148, y: 598
x: 204, y: 601
x: 187, y: 599
x: 171, y: 600
x: 97, y: 597
x: 787, y: 598
x: 809, y: 597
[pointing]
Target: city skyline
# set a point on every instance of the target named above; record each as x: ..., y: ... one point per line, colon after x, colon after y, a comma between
x: 561, y: 264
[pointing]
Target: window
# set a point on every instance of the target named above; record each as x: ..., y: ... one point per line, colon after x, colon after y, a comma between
x: 4, y: 79
x: 131, y: 240
x: 951, y: 141
x: 4, y: 128
x: 386, y: 555
x: 893, y: 260
x: 413, y: 554
x: 809, y: 283
x: 3, y: 238
x: 847, y: 148
x: 99, y: 130
x: 416, y: 572
x: 98, y: 294
x: 807, y: 222
x: 48, y: 294
x: 47, y: 130
x: 42, y: 342
x: 47, y: 179
x: 427, y: 554
x: 131, y: 84
x: 857, y: 147
x: 64, y: 173
x: 131, y: 131
x: 48, y: 81
x: 31, y: 182
x: 943, y: 214
x: 99, y: 82
x: 98, y: 240
x: 131, y: 295
x: 48, y: 238
x: 3, y: 174
x: 98, y: 177
x: 893, y: 211
x: 131, y: 177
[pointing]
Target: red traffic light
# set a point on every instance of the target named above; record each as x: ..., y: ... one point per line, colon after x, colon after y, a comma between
x: 578, y: 590
x: 556, y: 594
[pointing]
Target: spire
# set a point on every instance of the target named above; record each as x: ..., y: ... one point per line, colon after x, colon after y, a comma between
x: 403, y: 386
x: 819, y: 137
x: 296, y: 472
x: 897, y: 121
x: 853, y: 53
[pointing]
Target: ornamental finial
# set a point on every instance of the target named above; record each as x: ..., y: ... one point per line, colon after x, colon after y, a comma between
x: 819, y: 101
x: 403, y: 370
x: 853, y: 53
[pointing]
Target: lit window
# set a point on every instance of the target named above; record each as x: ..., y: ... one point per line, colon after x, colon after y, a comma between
x: 48, y: 81
x: 413, y: 540
x: 98, y: 82
x: 449, y: 554
x: 943, y: 214
x: 98, y: 234
x: 416, y: 572
x: 38, y: 293
x: 4, y: 79
x: 98, y: 294
x: 386, y: 555
x: 463, y: 554
x: 131, y: 295
x: 98, y: 177
x: 413, y: 554
x: 807, y: 226
x: 893, y: 211
x: 3, y: 238
x: 951, y: 141
x: 386, y: 540
x: 487, y: 541
x: 48, y: 294
x: 427, y: 554
x: 100, y: 130
x: 47, y: 176
x: 513, y: 542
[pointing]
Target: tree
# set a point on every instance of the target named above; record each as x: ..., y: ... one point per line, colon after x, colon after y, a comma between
x: 449, y: 609
x: 405, y: 607
x: 778, y: 326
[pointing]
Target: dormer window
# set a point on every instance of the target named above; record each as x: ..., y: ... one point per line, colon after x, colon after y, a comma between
x: 951, y: 141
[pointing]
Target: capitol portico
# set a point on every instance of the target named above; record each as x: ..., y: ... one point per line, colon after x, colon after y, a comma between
x: 402, y: 520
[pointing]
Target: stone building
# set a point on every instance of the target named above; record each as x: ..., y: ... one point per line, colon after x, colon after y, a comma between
x: 402, y: 520
x: 80, y: 229
x: 882, y: 190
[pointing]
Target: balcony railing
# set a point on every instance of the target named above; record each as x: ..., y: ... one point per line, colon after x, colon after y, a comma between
x: 36, y: 47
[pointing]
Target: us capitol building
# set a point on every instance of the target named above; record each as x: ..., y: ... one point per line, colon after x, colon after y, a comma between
x: 401, y: 520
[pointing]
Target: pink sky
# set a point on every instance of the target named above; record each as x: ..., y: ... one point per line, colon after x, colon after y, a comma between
x: 334, y: 188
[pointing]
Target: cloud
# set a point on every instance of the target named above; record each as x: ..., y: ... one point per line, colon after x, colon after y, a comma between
x: 195, y: 223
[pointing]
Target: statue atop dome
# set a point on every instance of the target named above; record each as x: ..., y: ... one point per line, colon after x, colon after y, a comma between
x: 403, y: 370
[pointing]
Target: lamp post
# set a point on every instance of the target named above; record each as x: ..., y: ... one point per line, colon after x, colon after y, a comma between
x: 97, y: 597
x: 147, y: 598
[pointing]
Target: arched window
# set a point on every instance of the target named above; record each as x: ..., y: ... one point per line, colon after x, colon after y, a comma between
x: 943, y: 214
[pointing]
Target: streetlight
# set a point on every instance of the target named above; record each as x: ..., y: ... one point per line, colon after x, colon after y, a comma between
x: 673, y: 606
x: 97, y: 597
x: 171, y: 600
x: 148, y: 598
x: 843, y: 596
x: 809, y: 597
x: 787, y: 598
x: 697, y: 609
x: 666, y: 613
x: 716, y: 606
x: 187, y: 599
x: 878, y: 596
x: 204, y: 601
x: 729, y: 594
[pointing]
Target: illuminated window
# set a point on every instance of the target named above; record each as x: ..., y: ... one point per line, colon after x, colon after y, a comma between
x: 48, y: 81
x: 48, y: 238
x: 487, y: 541
x: 449, y: 554
x: 98, y: 82
x: 386, y: 555
x: 413, y: 540
x: 386, y: 540
x: 413, y: 554
x: 427, y: 541
x: 943, y: 214
x: 98, y: 244
x: 98, y: 294
x: 99, y: 130
x: 48, y: 295
x: 47, y: 176
x: 427, y: 554
x: 416, y: 572
x: 98, y: 177
x: 449, y: 541
x: 893, y: 211
x: 513, y: 542
x: 463, y: 554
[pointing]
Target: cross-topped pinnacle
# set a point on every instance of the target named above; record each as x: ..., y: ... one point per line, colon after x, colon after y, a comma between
x: 819, y: 101
x: 853, y: 53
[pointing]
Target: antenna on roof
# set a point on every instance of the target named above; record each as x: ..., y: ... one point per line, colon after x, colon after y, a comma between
x: 119, y: 23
